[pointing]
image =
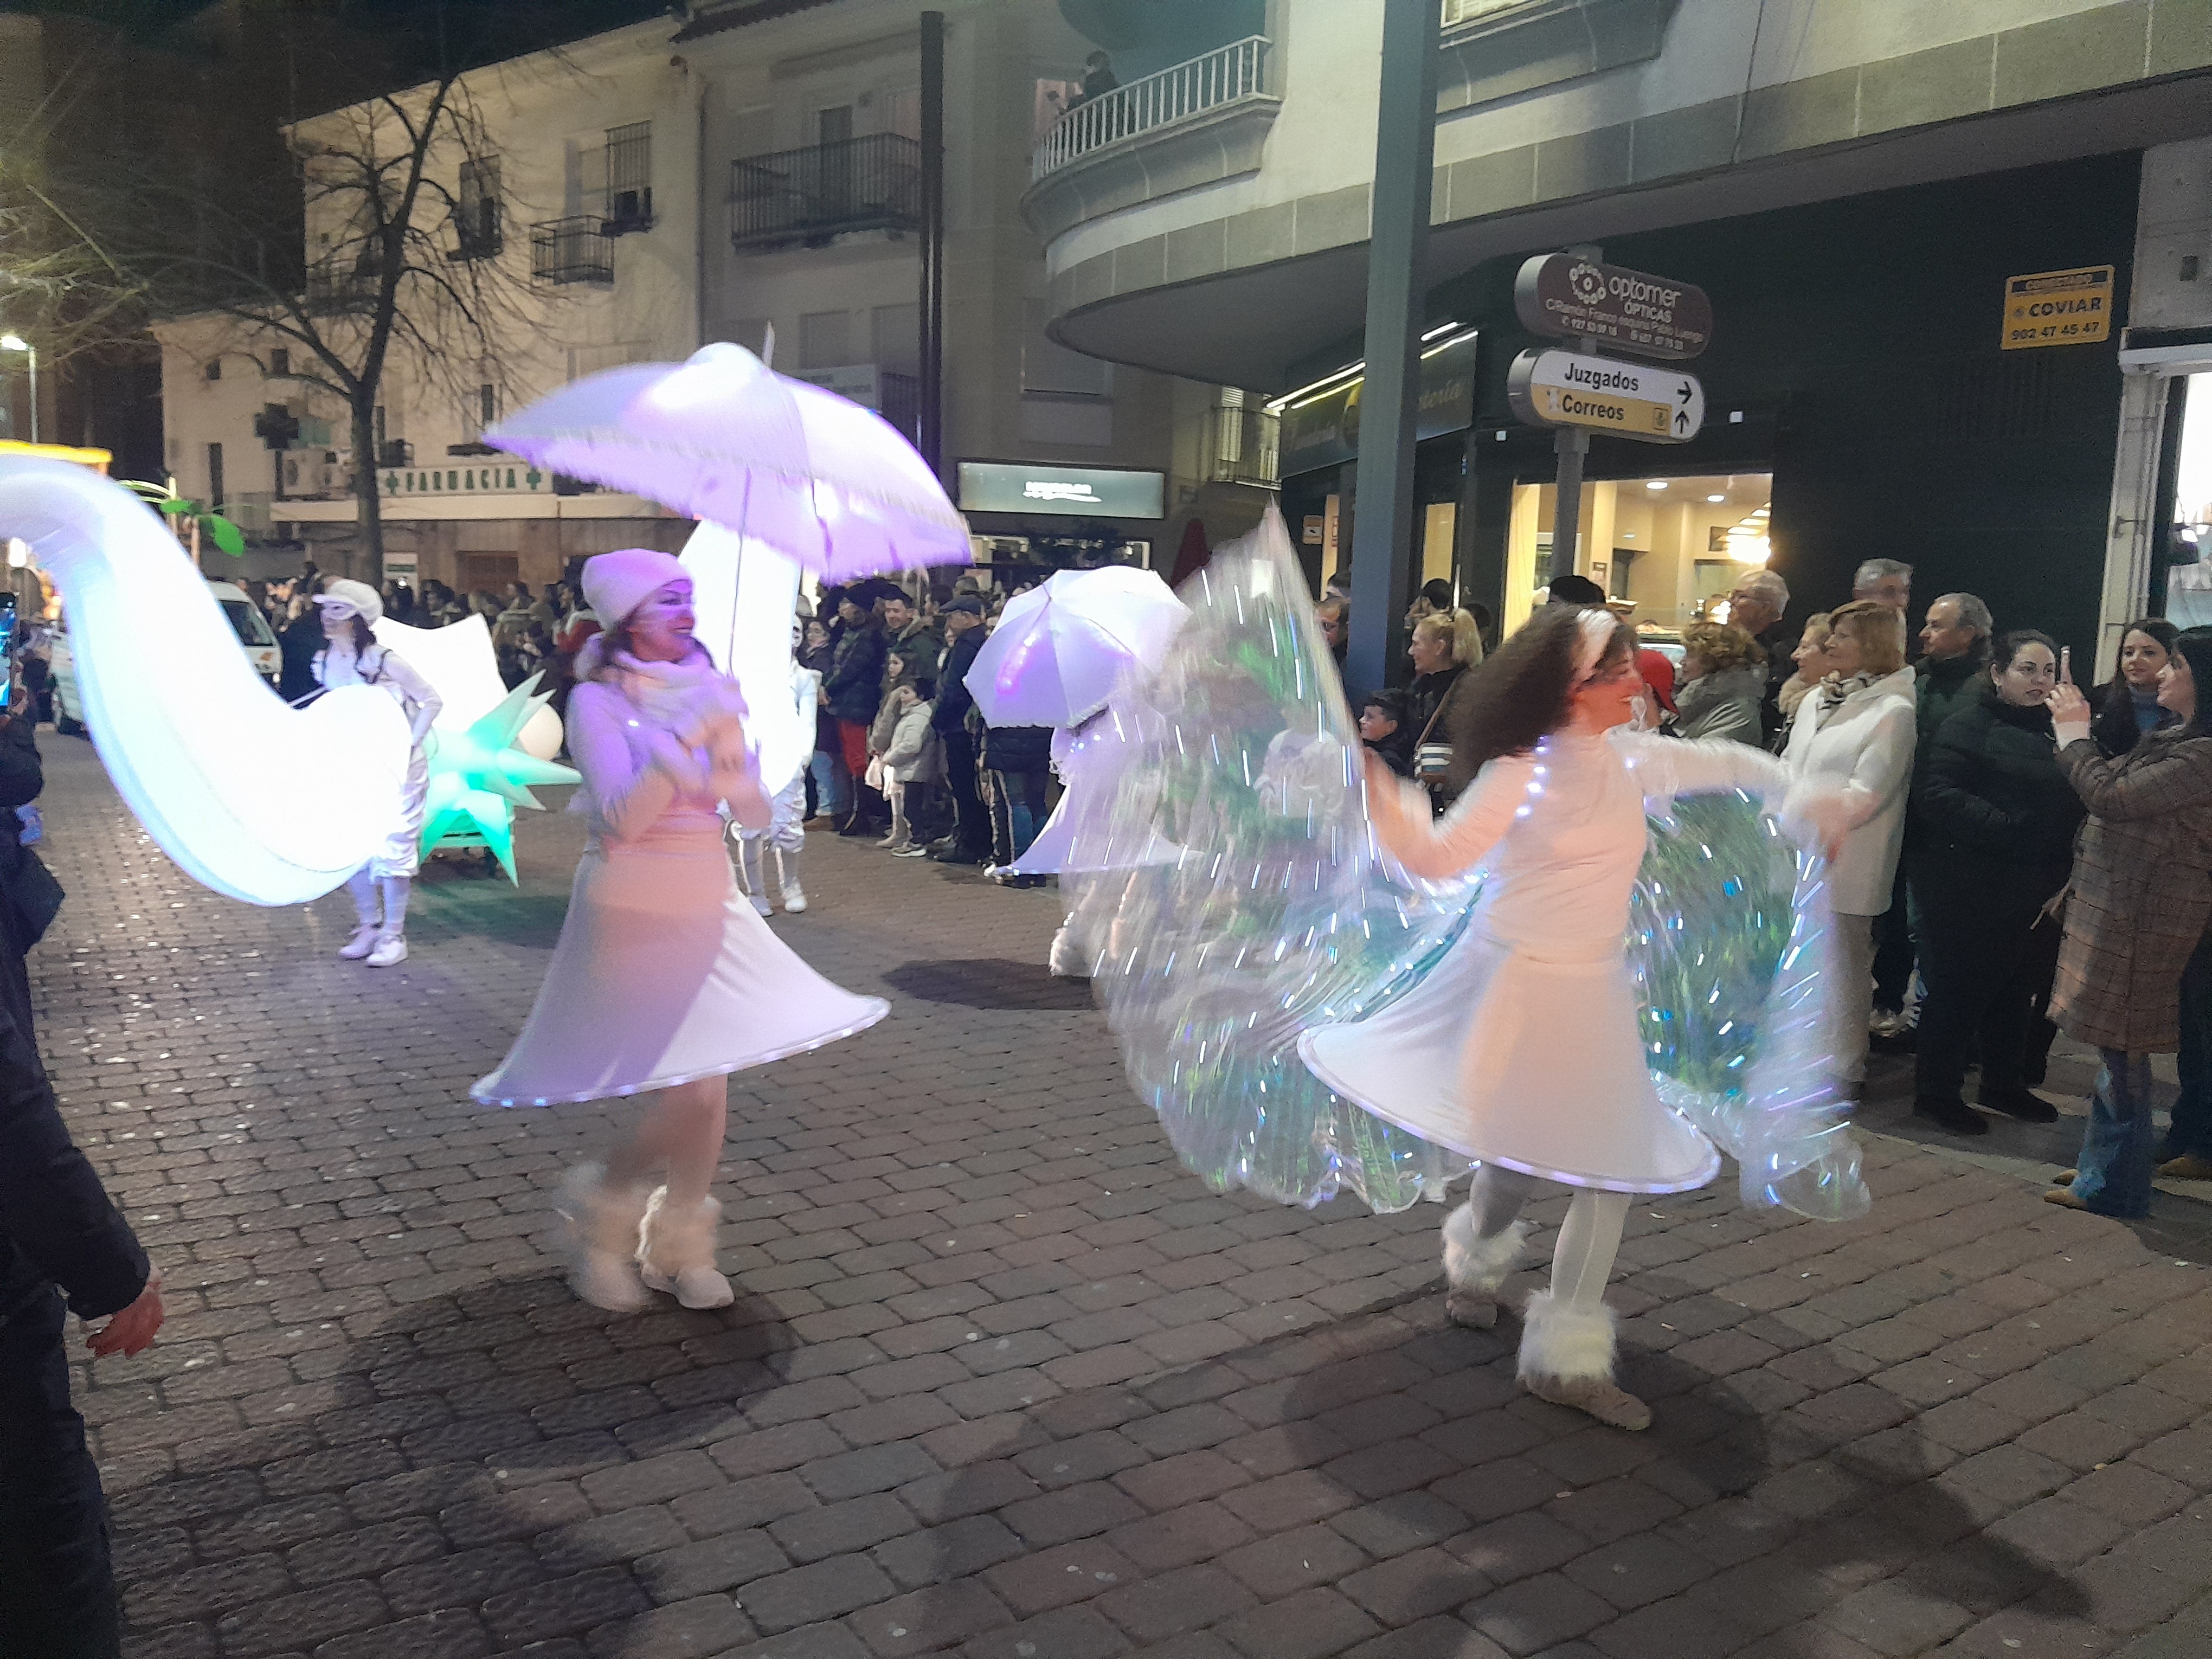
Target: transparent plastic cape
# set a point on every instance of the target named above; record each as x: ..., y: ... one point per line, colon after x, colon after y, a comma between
x: 1234, y: 898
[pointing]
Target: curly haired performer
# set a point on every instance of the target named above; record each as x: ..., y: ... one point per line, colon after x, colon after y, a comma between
x: 1521, y: 1048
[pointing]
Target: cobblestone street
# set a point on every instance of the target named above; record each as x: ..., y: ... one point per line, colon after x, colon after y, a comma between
x: 1003, y: 1380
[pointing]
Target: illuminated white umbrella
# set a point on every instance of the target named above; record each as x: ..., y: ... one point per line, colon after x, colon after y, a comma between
x: 1059, y: 649
x: 724, y: 437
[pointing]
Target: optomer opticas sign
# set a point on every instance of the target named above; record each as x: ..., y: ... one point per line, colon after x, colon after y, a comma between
x: 1571, y: 298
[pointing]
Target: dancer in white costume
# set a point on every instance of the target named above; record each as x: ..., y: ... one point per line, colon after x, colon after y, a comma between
x: 787, y: 812
x: 351, y: 656
x: 664, y: 979
x: 1520, y: 1047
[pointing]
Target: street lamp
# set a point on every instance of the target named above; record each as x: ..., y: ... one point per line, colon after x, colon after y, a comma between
x: 17, y: 342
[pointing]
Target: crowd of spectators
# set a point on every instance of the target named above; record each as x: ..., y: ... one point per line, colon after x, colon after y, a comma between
x: 903, y: 755
x: 2023, y: 857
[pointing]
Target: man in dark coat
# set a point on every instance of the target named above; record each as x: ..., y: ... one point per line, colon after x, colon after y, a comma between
x: 61, y: 1241
x: 1954, y: 646
x: 970, y: 840
x: 854, y: 693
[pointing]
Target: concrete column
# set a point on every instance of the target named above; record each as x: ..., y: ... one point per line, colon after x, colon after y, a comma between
x: 1397, y: 249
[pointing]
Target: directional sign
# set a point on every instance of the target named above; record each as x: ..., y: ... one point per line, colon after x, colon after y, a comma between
x: 1571, y: 298
x: 1606, y: 394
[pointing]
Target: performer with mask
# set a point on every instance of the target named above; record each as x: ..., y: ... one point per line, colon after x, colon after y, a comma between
x: 351, y: 656
x: 665, y: 979
x: 1521, y: 1048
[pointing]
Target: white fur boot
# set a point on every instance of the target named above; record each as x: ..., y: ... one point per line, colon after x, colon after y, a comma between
x: 677, y: 1253
x: 1068, y: 959
x: 1566, y: 1357
x: 600, y: 1234
x: 1475, y: 1266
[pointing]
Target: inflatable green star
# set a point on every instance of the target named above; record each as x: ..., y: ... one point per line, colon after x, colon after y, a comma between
x: 478, y: 777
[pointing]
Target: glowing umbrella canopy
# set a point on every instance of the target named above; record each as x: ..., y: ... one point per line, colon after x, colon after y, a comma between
x: 1059, y: 649
x: 724, y: 437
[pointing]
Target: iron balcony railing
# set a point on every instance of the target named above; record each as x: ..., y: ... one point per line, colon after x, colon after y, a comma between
x: 343, y: 279
x: 576, y: 250
x: 1234, y: 71
x: 823, y: 190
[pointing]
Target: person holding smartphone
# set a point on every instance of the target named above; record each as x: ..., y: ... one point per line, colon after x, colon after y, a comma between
x: 64, y: 1248
x: 2140, y: 896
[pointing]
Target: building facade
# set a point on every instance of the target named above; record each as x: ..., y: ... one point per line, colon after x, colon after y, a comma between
x: 750, y: 174
x: 1856, y: 188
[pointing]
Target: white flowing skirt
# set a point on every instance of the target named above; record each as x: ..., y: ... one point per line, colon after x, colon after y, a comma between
x: 664, y: 975
x: 1534, y: 1065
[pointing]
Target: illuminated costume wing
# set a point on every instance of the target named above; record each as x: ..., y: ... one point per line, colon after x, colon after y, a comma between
x: 1245, y: 900
x: 1277, y: 915
x: 1730, y: 941
x: 259, y: 801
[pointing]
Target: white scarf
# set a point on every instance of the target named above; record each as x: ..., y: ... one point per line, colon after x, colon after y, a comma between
x: 666, y: 692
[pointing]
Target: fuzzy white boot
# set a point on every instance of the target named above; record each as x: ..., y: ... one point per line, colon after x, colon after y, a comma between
x: 786, y: 870
x: 1566, y: 1357
x: 1475, y: 1266
x: 600, y: 1236
x: 675, y: 1252
x: 756, y: 883
x: 1067, y: 958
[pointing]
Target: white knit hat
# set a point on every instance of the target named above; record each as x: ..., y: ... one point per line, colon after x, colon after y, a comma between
x: 364, y: 600
x: 615, y: 584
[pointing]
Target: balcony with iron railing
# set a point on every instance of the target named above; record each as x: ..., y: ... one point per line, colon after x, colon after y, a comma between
x: 576, y: 250
x: 809, y: 195
x: 1192, y: 124
x: 343, y: 279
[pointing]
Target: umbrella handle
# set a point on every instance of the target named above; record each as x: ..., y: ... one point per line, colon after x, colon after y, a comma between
x: 744, y: 517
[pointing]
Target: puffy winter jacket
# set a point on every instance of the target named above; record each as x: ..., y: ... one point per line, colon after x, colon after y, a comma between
x: 1991, y: 801
x: 1016, y: 749
x: 916, y: 754
x: 856, y: 675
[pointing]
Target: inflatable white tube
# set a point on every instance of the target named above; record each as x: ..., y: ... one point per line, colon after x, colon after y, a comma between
x: 259, y: 801
x: 744, y: 594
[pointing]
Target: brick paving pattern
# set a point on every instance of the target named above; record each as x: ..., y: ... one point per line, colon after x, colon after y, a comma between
x: 1003, y: 1380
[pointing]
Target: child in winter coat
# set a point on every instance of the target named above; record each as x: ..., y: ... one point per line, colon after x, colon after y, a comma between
x: 913, y: 760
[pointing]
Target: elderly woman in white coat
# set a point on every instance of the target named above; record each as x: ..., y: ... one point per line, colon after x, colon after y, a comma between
x: 1855, y: 732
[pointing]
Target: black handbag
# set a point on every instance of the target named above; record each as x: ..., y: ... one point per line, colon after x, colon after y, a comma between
x: 34, y: 898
